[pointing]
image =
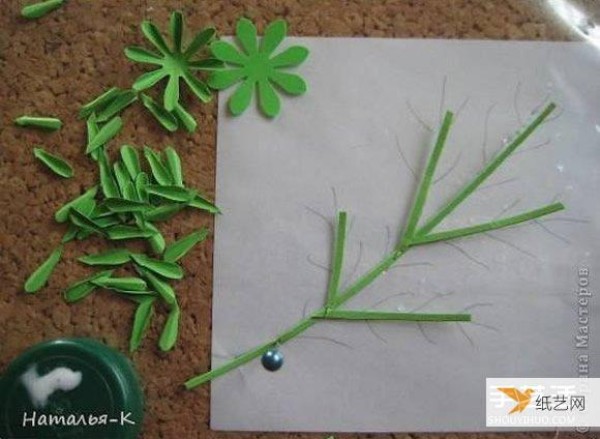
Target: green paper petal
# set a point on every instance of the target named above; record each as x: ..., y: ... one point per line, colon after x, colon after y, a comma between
x: 171, y: 97
x: 148, y: 79
x: 155, y: 37
x: 246, y: 34
x: 222, y: 79
x: 268, y: 99
x: 289, y: 82
x: 274, y: 35
x: 227, y: 52
x: 290, y: 57
x: 139, y: 54
x: 240, y: 99
x: 207, y: 64
x: 199, y: 88
x: 202, y: 38
x: 176, y: 28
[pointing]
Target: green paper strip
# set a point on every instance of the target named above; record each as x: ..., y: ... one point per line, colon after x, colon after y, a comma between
x: 121, y: 232
x: 121, y: 205
x: 123, y: 100
x: 38, y: 10
x: 170, y: 331
x: 100, y: 102
x: 164, y: 211
x: 62, y: 214
x: 107, y: 181
x: 131, y: 160
x: 173, y: 162
x: 141, y: 322
x: 40, y: 276
x: 338, y: 257
x: 46, y: 123
x: 201, y: 203
x: 156, y: 240
x: 159, y: 172
x: 165, y: 290
x: 488, y: 170
x: 393, y: 316
x: 489, y: 226
x: 122, y: 284
x: 106, y: 133
x: 425, y: 184
x: 85, y: 287
x: 173, y: 193
x: 168, y: 270
x: 179, y: 248
x: 82, y: 220
x: 110, y: 257
x: 54, y: 162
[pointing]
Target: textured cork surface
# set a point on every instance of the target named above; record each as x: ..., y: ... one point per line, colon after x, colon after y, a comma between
x: 51, y: 66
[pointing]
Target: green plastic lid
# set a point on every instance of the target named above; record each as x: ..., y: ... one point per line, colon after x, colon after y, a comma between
x: 70, y: 388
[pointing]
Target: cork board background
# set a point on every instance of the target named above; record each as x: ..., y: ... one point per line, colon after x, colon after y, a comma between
x: 53, y: 65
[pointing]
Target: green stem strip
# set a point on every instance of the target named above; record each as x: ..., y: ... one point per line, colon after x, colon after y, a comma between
x: 338, y: 257
x: 487, y: 171
x: 419, y: 203
x: 489, y: 226
x: 394, y: 316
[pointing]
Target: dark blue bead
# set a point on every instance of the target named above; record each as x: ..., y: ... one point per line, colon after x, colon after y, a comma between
x: 272, y: 360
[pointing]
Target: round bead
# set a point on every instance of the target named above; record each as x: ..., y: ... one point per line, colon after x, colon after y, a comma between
x: 272, y: 360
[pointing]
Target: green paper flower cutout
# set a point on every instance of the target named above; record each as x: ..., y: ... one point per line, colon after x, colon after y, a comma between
x: 255, y: 66
x: 175, y: 62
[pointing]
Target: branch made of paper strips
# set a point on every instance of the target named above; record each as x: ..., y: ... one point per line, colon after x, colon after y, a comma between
x: 413, y: 236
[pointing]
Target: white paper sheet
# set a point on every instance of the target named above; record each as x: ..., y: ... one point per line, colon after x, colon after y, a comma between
x: 350, y: 144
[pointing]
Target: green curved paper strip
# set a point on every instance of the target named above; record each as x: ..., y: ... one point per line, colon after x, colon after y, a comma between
x: 55, y: 163
x: 159, y: 172
x: 257, y: 67
x: 46, y: 123
x: 178, y: 249
x: 141, y: 322
x: 99, y: 102
x: 169, y: 334
x: 174, y: 166
x: 131, y: 160
x: 173, y: 193
x: 106, y: 133
x: 40, y: 276
x: 168, y: 270
x: 85, y: 287
x: 40, y: 9
x: 164, y: 290
x: 118, y: 256
x: 62, y: 214
x: 124, y: 284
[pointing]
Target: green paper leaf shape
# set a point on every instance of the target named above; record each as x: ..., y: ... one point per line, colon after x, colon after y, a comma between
x: 118, y: 256
x: 168, y: 270
x: 179, y: 248
x: 141, y: 322
x: 40, y: 9
x: 40, y: 276
x: 170, y: 331
x: 54, y: 162
x: 45, y: 123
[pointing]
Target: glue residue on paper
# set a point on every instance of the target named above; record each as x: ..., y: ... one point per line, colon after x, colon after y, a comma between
x: 40, y: 388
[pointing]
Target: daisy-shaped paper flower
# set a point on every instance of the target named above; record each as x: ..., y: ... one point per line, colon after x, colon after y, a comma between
x: 255, y: 66
x: 175, y: 62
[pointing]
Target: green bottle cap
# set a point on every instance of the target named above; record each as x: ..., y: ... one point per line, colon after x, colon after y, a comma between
x: 70, y: 388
